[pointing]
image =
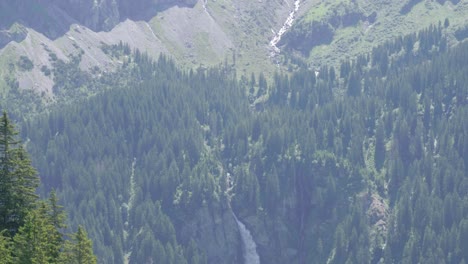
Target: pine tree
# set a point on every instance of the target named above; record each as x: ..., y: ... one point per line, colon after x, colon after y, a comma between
x: 56, y: 217
x: 18, y: 179
x: 79, y: 250
x: 7, y: 134
x: 25, y: 182
x: 84, y: 248
x: 5, y: 249
x: 34, y: 241
x: 57, y: 213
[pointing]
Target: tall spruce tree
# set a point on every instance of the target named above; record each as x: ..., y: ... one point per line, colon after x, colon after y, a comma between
x: 18, y: 179
x: 5, y: 249
x: 57, y: 217
x: 79, y: 250
x: 35, y: 240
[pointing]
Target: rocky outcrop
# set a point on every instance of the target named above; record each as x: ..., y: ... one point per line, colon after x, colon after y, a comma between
x: 16, y: 33
x: 377, y: 212
x: 105, y: 14
x: 216, y: 233
x: 97, y: 15
x: 53, y: 17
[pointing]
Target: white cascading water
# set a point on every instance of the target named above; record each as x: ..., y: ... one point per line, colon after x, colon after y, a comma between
x: 286, y: 26
x: 249, y: 246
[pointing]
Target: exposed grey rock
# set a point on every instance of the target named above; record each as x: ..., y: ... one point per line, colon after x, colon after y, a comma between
x: 105, y: 14
x: 17, y: 33
x: 50, y: 16
x: 216, y: 233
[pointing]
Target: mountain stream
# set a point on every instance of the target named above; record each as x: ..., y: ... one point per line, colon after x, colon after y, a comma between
x: 286, y: 26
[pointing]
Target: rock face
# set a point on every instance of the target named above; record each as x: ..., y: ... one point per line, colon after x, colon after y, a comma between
x: 216, y: 233
x: 105, y: 14
x: 97, y: 15
x: 17, y: 33
x: 51, y: 17
x: 377, y: 213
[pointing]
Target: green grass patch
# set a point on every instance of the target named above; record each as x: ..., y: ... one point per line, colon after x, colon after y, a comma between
x: 316, y: 13
x: 319, y: 12
x: 322, y: 10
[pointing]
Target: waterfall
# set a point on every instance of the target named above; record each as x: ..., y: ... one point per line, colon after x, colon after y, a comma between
x: 249, y: 246
x: 286, y: 26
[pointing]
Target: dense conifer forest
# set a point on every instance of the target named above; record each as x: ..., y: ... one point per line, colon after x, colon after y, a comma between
x: 32, y: 230
x: 362, y: 163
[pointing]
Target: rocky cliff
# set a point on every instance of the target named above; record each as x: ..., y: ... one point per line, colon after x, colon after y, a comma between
x: 53, y: 17
x: 16, y: 33
x: 105, y: 14
x: 216, y: 234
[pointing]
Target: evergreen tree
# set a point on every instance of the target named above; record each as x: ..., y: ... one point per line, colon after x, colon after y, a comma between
x: 79, y: 250
x: 56, y: 217
x: 57, y: 213
x: 18, y: 179
x: 34, y: 241
x: 5, y: 249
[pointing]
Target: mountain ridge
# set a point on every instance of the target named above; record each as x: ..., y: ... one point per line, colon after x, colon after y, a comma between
x: 191, y: 34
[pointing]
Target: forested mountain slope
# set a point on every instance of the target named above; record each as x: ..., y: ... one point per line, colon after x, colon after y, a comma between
x: 364, y: 163
x: 138, y: 158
